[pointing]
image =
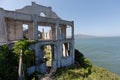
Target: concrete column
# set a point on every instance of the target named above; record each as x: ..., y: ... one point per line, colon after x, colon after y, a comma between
x: 53, y: 33
x: 54, y: 52
x: 3, y: 35
x: 72, y: 51
x: 30, y: 32
x: 72, y: 43
x: 36, y: 48
x: 63, y: 31
x: 54, y: 57
x: 72, y: 29
x: 19, y: 30
x: 43, y: 34
x: 35, y: 28
x: 39, y: 61
x: 59, y: 53
x: 57, y: 29
x: 37, y: 56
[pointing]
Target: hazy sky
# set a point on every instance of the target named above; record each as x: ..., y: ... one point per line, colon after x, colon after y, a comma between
x: 93, y: 17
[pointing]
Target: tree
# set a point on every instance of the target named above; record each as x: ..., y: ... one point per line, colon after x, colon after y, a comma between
x: 25, y: 58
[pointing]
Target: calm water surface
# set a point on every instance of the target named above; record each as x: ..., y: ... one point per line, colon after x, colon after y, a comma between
x: 104, y: 52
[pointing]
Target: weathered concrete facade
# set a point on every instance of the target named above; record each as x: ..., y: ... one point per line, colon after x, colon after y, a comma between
x: 62, y: 46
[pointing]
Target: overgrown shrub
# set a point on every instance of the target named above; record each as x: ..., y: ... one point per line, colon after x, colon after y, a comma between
x: 9, y: 59
x: 28, y: 55
x: 8, y: 64
x: 84, y: 62
x: 84, y: 71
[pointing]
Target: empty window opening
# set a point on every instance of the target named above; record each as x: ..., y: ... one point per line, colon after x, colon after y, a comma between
x: 48, y: 54
x: 42, y: 14
x: 25, y: 27
x: 69, y: 32
x: 62, y: 31
x: 66, y: 49
x: 25, y: 31
x: 44, y: 32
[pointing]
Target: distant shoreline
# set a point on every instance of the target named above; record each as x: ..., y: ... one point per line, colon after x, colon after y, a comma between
x: 92, y: 36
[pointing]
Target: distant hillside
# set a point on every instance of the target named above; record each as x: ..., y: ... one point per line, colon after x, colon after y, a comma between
x: 84, y: 36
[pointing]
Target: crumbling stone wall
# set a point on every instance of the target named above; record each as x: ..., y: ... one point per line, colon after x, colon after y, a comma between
x: 38, y: 9
x: 11, y: 29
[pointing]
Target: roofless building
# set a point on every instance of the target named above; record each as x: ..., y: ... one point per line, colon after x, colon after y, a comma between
x: 46, y: 28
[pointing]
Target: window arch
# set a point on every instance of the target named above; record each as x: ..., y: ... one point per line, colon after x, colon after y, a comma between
x: 42, y: 14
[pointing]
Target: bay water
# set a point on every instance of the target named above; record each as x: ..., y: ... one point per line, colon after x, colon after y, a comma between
x: 101, y: 51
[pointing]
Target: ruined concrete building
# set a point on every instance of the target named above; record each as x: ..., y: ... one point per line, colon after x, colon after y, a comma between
x: 41, y: 24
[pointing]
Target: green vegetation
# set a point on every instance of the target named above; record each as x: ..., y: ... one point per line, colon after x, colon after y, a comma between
x: 83, y: 70
x: 28, y: 55
x: 8, y: 64
x: 78, y: 73
x: 46, y: 51
x: 9, y: 59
